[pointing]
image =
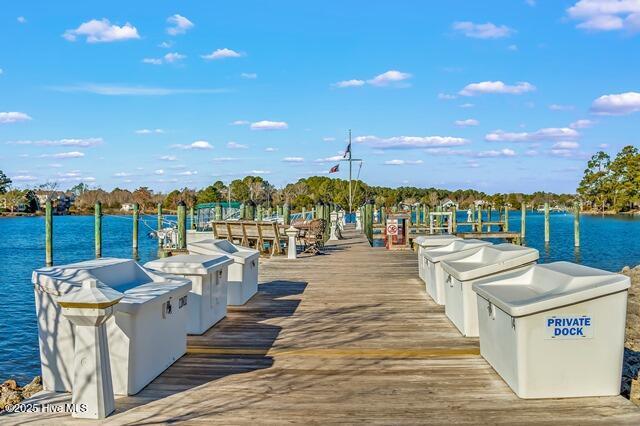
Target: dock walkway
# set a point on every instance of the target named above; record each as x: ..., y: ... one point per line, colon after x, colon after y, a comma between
x: 348, y: 337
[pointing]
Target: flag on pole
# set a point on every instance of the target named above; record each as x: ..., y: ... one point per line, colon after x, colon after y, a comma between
x: 335, y: 169
x: 347, y: 151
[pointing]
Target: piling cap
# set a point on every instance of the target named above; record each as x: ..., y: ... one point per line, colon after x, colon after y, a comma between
x: 90, y: 296
x: 291, y: 230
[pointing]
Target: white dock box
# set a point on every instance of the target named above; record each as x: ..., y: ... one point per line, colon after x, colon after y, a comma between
x: 146, y: 334
x: 555, y: 330
x: 434, y: 275
x: 207, y: 301
x: 242, y: 283
x: 430, y: 241
x: 460, y: 299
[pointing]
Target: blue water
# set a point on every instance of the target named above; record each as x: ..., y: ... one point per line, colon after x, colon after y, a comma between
x: 608, y: 243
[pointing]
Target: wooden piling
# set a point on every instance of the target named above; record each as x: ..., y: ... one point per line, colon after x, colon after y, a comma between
x: 505, y: 228
x: 192, y: 217
x: 182, y: 225
x: 546, y: 222
x: 48, y: 234
x: 159, y: 225
x: 285, y: 214
x: 576, y: 225
x: 97, y: 229
x: 136, y: 222
x: 454, y: 219
x: 489, y: 212
x: 523, y: 221
x: 217, y: 212
x: 259, y: 216
x: 303, y: 213
x: 479, y: 224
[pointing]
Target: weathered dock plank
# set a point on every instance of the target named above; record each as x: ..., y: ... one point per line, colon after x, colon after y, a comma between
x: 348, y: 337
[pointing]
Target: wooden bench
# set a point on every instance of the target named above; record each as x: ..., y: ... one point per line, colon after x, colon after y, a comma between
x: 252, y: 234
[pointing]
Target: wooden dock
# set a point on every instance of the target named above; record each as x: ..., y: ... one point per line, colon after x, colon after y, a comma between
x: 348, y: 337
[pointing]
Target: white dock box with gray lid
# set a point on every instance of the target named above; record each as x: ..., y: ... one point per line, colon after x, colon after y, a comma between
x: 555, y: 330
x: 207, y: 301
x: 460, y: 299
x: 243, y: 273
x: 146, y: 334
x: 435, y: 276
x: 424, y: 242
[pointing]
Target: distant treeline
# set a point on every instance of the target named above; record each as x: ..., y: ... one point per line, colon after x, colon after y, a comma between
x: 607, y: 185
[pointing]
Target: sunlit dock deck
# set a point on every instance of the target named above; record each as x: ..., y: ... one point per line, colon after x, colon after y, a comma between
x: 348, y: 337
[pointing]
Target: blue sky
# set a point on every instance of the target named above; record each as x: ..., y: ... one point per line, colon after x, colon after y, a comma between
x: 496, y: 95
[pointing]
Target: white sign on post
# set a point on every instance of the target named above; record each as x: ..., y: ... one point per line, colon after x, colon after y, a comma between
x: 392, y: 229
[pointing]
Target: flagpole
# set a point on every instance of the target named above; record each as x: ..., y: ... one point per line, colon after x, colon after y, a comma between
x: 350, y: 163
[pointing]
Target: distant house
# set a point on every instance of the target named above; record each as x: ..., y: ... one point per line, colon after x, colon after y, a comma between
x: 60, y: 201
x: 127, y: 207
x: 448, y: 203
x: 479, y: 203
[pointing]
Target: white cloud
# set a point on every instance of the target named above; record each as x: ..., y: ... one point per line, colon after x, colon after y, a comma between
x: 531, y: 153
x: 149, y: 131
x: 221, y: 54
x: 21, y: 20
x: 123, y: 90
x: 269, y: 125
x: 224, y: 159
x: 328, y: 139
x: 1, y: 71
x: 467, y: 105
x: 603, y: 145
x: 559, y: 107
x: 168, y: 158
x: 606, y: 15
x: 239, y: 123
x: 200, y: 145
x: 410, y: 142
x: 473, y: 164
x: 506, y: 152
x: 169, y: 58
x: 187, y: 173
x: 152, y: 61
x: 618, y: 104
x: 546, y: 134
x: 235, y: 145
x: 23, y: 178
x: 65, y: 155
x: 270, y: 149
x: 260, y: 172
x: 483, y: 31
x: 486, y: 87
x: 249, y: 75
x: 566, y: 145
x: 581, y: 124
x: 166, y: 44
x: 293, y: 159
x: 390, y: 78
x: 467, y: 123
x: 332, y: 159
x: 122, y: 174
x: 513, y: 47
x: 102, y: 31
x: 446, y: 96
x: 159, y: 172
x: 402, y: 162
x: 349, y: 83
x: 13, y: 117
x: 178, y: 24
x: 530, y: 2
x: 55, y: 165
x: 82, y: 143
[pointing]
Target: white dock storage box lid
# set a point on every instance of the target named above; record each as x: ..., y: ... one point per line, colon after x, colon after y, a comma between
x: 554, y: 330
x: 427, y: 241
x: 434, y: 275
x: 460, y: 299
x: 207, y: 302
x: 146, y: 334
x: 243, y: 273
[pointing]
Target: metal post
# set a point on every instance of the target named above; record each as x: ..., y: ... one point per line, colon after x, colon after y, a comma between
x: 546, y: 222
x: 454, y: 219
x: 576, y: 225
x: 136, y: 220
x: 523, y: 221
x: 48, y: 234
x: 217, y: 212
x: 159, y: 225
x: 192, y: 216
x: 479, y: 218
x: 182, y: 225
x: 350, y: 163
x: 97, y: 228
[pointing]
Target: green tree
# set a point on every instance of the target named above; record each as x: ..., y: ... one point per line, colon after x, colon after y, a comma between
x: 5, y: 182
x: 596, y: 182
